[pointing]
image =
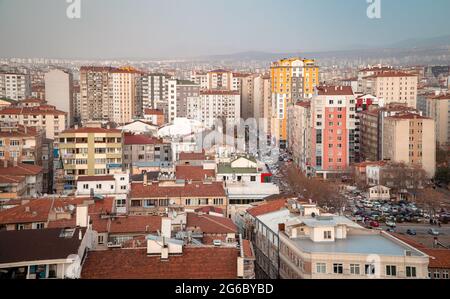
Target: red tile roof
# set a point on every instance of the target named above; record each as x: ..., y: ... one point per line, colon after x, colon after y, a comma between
x: 304, y: 104
x: 39, y: 110
x: 20, y: 170
x: 407, y: 116
x: 18, y: 131
x: 210, y: 209
x: 248, y: 249
x: 136, y: 224
x: 153, y: 112
x: 194, y: 263
x: 194, y: 173
x: 130, y: 139
x: 442, y: 97
x: 138, y: 190
x: 211, y: 224
x: 268, y: 207
x: 334, y: 90
x: 392, y: 74
x: 192, y: 156
x: 10, y: 179
x: 439, y: 258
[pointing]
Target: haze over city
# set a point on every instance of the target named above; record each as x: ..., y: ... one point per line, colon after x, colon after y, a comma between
x: 175, y: 28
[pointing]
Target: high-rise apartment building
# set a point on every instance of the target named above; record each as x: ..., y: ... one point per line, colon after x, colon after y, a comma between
x: 154, y: 91
x: 438, y: 108
x: 300, y: 134
x: 333, y: 130
x: 224, y: 105
x: 292, y: 80
x: 410, y: 138
x: 109, y: 94
x: 15, y: 86
x: 59, y: 92
x: 180, y: 92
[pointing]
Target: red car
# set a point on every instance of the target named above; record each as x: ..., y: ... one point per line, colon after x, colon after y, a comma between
x: 374, y: 224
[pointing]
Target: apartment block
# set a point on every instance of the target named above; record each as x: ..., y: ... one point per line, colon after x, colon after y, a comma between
x: 90, y: 151
x: 142, y: 148
x: 300, y: 135
x: 438, y: 108
x: 334, y: 130
x: 59, y: 92
x: 410, y: 139
x: 15, y: 86
x: 292, y: 80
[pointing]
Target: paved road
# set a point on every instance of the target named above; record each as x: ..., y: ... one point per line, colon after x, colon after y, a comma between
x: 421, y: 229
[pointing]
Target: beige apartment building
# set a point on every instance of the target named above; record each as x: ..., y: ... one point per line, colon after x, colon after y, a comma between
x: 410, y: 138
x: 20, y: 143
x: 299, y: 134
x: 438, y: 108
x: 41, y: 116
x: 90, y: 151
x: 393, y: 87
x: 59, y: 91
x: 329, y: 247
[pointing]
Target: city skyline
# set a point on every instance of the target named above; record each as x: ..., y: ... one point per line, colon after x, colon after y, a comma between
x: 178, y: 29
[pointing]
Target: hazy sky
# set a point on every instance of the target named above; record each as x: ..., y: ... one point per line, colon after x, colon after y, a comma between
x: 181, y: 28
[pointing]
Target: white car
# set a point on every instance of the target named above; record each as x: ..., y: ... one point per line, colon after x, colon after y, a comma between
x: 391, y: 224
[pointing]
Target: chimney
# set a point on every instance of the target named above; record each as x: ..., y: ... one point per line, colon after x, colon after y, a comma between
x: 281, y: 227
x: 5, y: 163
x: 145, y: 179
x: 27, y: 209
x: 166, y: 227
x: 82, y: 216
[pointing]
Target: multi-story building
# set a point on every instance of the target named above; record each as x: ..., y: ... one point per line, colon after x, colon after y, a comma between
x: 20, y: 143
x: 215, y: 104
x: 154, y: 116
x: 76, y: 96
x: 200, y: 78
x: 300, y: 135
x: 329, y: 247
x: 438, y: 108
x: 90, y: 151
x: 248, y: 90
x: 15, y: 86
x: 142, y: 148
x: 59, y: 92
x: 154, y: 91
x: 393, y: 87
x: 410, y: 139
x: 44, y: 117
x: 150, y: 197
x: 292, y: 80
x: 371, y: 126
x: 333, y: 131
x: 366, y: 86
x: 223, y: 80
x: 33, y: 175
x: 109, y: 94
x: 181, y: 92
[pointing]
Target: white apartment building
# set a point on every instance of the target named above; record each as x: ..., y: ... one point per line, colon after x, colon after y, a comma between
x: 15, y: 86
x: 215, y: 104
x: 59, y: 92
x: 124, y: 98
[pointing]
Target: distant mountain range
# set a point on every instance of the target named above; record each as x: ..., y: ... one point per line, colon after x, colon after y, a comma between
x: 417, y: 46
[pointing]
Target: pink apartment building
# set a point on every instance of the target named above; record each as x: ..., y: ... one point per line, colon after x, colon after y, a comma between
x: 333, y: 130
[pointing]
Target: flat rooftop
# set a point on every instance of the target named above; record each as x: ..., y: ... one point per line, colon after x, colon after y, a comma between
x: 357, y: 244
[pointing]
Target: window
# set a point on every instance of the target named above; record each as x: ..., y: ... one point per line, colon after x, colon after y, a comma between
x: 321, y: 268
x: 121, y: 203
x: 112, y: 187
x: 338, y: 268
x: 39, y: 225
x: 327, y: 235
x: 354, y: 269
x: 123, y: 187
x: 436, y: 274
x: 370, y: 269
x: 100, y: 239
x: 445, y: 274
x: 253, y: 178
x: 14, y: 143
x: 410, y: 271
x: 20, y: 227
x: 85, y: 186
x: 98, y: 186
x: 391, y: 270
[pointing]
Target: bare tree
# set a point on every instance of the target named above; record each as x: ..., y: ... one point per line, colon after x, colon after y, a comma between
x: 430, y: 200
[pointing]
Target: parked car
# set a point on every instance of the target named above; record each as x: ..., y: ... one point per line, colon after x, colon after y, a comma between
x: 433, y: 232
x: 391, y: 224
x: 374, y: 224
x: 411, y: 232
x: 390, y: 230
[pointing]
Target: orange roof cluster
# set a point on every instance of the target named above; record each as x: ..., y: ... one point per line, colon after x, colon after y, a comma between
x: 389, y: 74
x: 130, y: 139
x: 408, y: 116
x: 20, y: 170
x: 192, y: 156
x: 18, y: 131
x: 153, y: 112
x: 94, y: 178
x: 304, y: 104
x: 38, y: 110
x: 11, y: 179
